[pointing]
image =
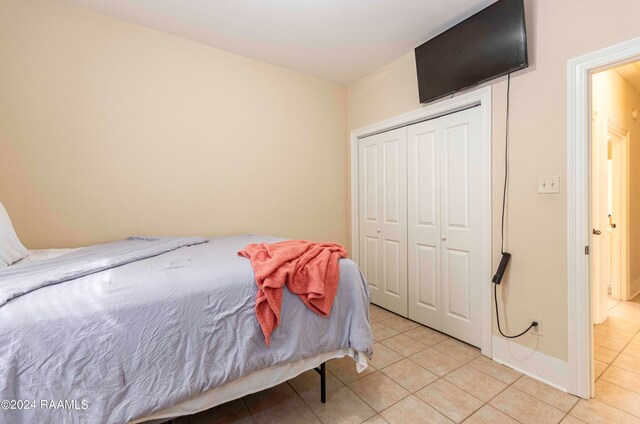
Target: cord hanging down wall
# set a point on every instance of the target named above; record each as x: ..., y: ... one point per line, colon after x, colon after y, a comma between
x: 504, y: 262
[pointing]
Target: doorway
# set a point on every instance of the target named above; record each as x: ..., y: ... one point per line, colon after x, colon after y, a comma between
x: 615, y: 160
x: 581, y: 293
x: 610, y: 205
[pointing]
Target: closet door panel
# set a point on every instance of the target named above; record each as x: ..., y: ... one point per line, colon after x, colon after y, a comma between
x: 423, y: 223
x: 456, y: 193
x: 427, y: 294
x: 460, y: 226
x: 370, y: 192
x: 392, y: 268
x: 391, y: 182
x: 383, y: 183
x: 368, y: 153
x: 456, y: 274
x: 369, y: 260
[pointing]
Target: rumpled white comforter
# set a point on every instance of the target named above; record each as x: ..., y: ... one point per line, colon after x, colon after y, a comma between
x: 127, y: 341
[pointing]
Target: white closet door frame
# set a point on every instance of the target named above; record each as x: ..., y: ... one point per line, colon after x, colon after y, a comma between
x: 481, y: 98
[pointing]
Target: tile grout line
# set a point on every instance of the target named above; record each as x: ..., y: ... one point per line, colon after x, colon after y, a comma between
x: 611, y: 364
x: 463, y: 363
x: 572, y: 408
x: 487, y: 404
x: 443, y: 377
x: 616, y: 384
x: 498, y: 394
x: 247, y: 408
x: 304, y: 402
x: 554, y: 407
x: 598, y: 378
x: 408, y: 357
x: 511, y: 385
x: 625, y: 346
x: 463, y: 389
x: 565, y: 414
x: 617, y: 354
x: 371, y: 406
x: 311, y: 409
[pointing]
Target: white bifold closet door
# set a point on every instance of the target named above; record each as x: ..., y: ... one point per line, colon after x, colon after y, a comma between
x: 383, y: 217
x: 444, y: 224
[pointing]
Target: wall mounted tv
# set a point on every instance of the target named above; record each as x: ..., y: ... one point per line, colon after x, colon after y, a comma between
x: 489, y: 44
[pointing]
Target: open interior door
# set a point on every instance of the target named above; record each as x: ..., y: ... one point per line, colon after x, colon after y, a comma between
x: 599, y: 218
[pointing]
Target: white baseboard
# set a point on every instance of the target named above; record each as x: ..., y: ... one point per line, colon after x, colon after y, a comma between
x: 634, y: 283
x: 545, y: 368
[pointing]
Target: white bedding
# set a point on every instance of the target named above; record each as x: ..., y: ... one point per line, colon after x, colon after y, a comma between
x: 42, y: 254
x: 256, y: 381
x: 11, y: 249
x: 136, y: 340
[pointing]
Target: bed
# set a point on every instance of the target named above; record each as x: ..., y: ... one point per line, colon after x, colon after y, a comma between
x: 163, y: 336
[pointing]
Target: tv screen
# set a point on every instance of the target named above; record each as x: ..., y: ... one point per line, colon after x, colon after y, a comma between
x: 489, y: 44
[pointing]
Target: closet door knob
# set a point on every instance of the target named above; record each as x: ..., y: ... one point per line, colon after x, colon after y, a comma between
x: 378, y: 230
x: 443, y: 238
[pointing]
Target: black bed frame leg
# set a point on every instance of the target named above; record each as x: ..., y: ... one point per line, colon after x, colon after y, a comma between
x: 323, y: 382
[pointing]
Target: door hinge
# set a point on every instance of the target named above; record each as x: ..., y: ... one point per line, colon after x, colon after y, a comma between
x: 586, y: 250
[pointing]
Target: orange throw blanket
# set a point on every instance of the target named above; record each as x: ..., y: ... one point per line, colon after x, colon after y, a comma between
x: 308, y: 269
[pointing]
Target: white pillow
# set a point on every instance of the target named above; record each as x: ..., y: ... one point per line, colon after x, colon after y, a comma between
x: 11, y: 250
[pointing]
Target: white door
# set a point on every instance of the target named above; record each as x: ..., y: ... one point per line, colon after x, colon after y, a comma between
x: 614, y: 212
x: 599, y: 220
x: 424, y: 141
x: 460, y: 229
x: 619, y: 209
x: 383, y: 217
x: 444, y: 224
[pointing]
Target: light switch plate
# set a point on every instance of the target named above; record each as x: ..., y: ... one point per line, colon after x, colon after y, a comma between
x: 549, y: 185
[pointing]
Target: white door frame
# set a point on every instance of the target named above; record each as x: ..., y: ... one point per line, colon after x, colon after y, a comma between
x: 578, y: 202
x: 481, y: 98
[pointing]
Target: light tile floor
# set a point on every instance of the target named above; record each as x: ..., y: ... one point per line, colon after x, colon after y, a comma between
x: 419, y: 375
x: 617, y: 361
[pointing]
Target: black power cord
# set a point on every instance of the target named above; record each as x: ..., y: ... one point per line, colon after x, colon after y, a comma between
x: 506, y: 165
x: 533, y: 324
x: 506, y: 256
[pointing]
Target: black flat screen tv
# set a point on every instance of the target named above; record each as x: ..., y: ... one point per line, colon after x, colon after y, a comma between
x: 489, y: 44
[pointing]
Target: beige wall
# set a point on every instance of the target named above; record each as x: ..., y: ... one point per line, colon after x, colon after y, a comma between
x: 109, y: 129
x: 557, y: 31
x: 615, y: 99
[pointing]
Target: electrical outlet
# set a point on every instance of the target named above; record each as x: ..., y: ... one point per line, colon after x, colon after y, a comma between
x: 537, y: 330
x: 547, y: 185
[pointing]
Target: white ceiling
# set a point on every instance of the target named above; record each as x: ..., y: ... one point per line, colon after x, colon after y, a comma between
x: 631, y: 73
x: 339, y: 40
